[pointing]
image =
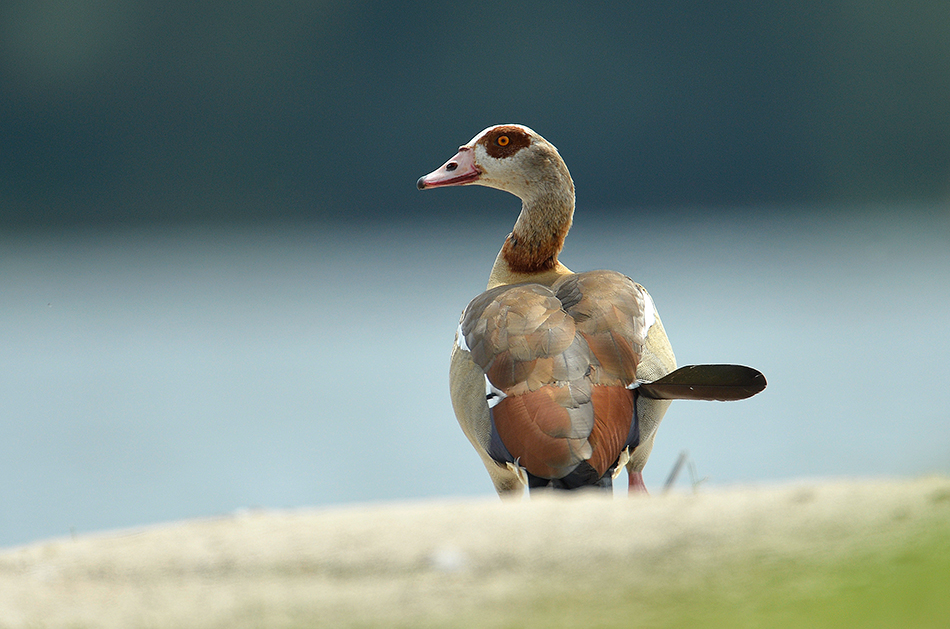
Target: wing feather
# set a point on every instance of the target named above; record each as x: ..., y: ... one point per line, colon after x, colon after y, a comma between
x: 563, y: 357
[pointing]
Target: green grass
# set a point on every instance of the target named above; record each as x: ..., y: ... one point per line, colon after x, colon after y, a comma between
x: 904, y: 586
x: 907, y: 587
x: 900, y: 578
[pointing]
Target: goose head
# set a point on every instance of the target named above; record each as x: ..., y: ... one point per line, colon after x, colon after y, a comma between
x: 507, y: 157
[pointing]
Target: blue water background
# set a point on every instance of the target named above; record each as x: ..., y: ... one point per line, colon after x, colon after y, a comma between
x: 157, y: 373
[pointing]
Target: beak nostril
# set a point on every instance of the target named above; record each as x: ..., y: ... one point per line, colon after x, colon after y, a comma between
x: 451, y: 166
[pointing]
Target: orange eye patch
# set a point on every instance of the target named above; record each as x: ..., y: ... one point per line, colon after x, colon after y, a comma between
x: 502, y: 140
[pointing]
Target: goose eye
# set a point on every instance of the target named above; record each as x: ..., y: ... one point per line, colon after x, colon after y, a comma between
x: 502, y: 140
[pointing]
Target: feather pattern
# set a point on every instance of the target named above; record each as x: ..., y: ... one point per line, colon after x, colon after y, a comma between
x: 563, y: 357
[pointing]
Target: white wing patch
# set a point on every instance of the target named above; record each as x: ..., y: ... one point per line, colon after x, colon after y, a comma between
x: 460, y: 339
x: 649, y: 309
x: 493, y: 395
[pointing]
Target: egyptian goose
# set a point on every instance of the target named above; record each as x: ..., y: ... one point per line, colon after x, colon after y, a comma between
x: 555, y: 376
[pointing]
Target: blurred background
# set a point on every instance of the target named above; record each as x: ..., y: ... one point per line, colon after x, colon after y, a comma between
x: 220, y: 289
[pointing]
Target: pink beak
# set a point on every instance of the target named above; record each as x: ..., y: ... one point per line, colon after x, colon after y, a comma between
x: 458, y: 171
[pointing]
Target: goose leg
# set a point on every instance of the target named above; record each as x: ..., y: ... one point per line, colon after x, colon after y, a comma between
x: 635, y: 484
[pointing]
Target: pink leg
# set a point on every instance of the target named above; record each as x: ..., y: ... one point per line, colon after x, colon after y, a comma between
x: 635, y: 484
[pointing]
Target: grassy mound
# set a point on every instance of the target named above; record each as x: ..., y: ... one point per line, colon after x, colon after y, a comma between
x: 822, y: 554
